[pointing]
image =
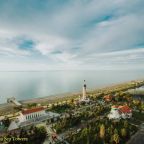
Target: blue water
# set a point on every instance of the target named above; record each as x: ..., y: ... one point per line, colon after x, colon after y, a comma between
x: 26, y: 85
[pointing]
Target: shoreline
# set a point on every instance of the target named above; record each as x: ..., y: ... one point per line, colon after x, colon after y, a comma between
x: 68, y: 95
x: 5, y: 107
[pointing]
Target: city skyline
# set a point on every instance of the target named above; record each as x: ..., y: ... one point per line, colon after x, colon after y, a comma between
x: 71, y: 35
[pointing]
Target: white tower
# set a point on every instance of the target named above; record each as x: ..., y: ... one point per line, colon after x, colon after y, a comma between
x: 84, y: 91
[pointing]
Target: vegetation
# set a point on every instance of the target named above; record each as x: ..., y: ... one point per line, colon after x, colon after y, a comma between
x: 31, y: 105
x: 61, y: 108
x: 34, y: 135
x: 88, y: 124
x: 93, y: 123
x: 6, y: 122
x: 73, y: 119
x: 103, y: 131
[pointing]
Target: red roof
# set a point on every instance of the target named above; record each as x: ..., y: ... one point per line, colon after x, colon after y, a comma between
x: 108, y: 97
x: 33, y: 110
x: 125, y: 109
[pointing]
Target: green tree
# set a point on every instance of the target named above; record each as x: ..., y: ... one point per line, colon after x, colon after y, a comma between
x: 116, y: 138
x: 102, y: 131
x: 126, y: 124
x: 123, y: 132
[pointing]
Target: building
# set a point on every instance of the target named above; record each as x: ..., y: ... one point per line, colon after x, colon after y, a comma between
x: 29, y: 114
x: 14, y: 101
x: 32, y: 116
x: 107, y: 98
x: 84, y: 97
x: 118, y: 112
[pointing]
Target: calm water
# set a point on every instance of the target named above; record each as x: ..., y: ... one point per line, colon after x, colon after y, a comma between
x: 137, y: 95
x: 25, y: 85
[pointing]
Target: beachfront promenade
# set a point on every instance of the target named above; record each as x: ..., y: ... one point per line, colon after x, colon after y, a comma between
x: 9, y: 108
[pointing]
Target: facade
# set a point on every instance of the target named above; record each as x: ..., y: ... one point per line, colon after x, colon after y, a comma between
x: 31, y: 114
x: 118, y: 112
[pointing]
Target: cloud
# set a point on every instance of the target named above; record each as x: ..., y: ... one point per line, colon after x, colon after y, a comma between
x: 9, y: 46
x: 50, y: 44
x: 83, y: 34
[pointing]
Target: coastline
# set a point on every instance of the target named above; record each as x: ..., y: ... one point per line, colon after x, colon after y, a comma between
x: 70, y: 95
x: 10, y: 107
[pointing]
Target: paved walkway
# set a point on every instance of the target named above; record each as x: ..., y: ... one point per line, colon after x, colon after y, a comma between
x: 138, y: 138
x: 49, y: 139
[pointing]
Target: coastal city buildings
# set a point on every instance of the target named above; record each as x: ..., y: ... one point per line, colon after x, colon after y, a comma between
x: 118, y: 112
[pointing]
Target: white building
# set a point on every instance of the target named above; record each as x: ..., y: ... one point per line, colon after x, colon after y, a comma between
x: 31, y: 116
x: 118, y: 112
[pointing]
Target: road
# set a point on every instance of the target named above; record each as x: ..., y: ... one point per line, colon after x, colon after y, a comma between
x: 138, y: 138
x: 50, y: 133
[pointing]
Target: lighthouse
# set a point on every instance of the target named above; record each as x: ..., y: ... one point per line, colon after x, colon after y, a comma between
x: 84, y: 91
x: 84, y: 98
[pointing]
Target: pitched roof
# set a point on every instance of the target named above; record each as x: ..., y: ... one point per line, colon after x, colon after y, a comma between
x: 33, y: 110
x: 125, y: 109
x: 108, y: 98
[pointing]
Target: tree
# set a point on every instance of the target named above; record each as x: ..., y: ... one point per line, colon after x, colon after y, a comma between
x: 125, y: 124
x: 116, y: 138
x: 102, y: 131
x: 6, y: 122
x: 83, y: 135
x: 123, y: 132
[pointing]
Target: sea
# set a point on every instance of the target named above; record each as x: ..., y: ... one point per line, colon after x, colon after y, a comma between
x: 36, y: 84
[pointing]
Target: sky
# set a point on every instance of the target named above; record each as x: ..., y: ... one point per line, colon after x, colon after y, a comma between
x: 39, y: 35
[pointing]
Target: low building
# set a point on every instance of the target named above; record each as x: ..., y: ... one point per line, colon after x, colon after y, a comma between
x: 32, y: 116
x: 107, y: 98
x: 118, y: 112
x: 14, y: 101
x: 29, y: 114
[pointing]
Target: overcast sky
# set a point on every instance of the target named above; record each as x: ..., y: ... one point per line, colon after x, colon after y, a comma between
x: 71, y: 34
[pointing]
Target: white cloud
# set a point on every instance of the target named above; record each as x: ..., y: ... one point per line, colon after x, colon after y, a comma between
x: 9, y: 46
x: 50, y: 44
x: 86, y: 34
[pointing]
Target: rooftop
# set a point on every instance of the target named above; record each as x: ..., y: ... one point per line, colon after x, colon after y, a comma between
x: 33, y: 110
x: 125, y: 109
x: 122, y: 109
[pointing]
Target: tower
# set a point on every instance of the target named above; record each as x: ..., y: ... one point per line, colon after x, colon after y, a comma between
x: 84, y: 91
